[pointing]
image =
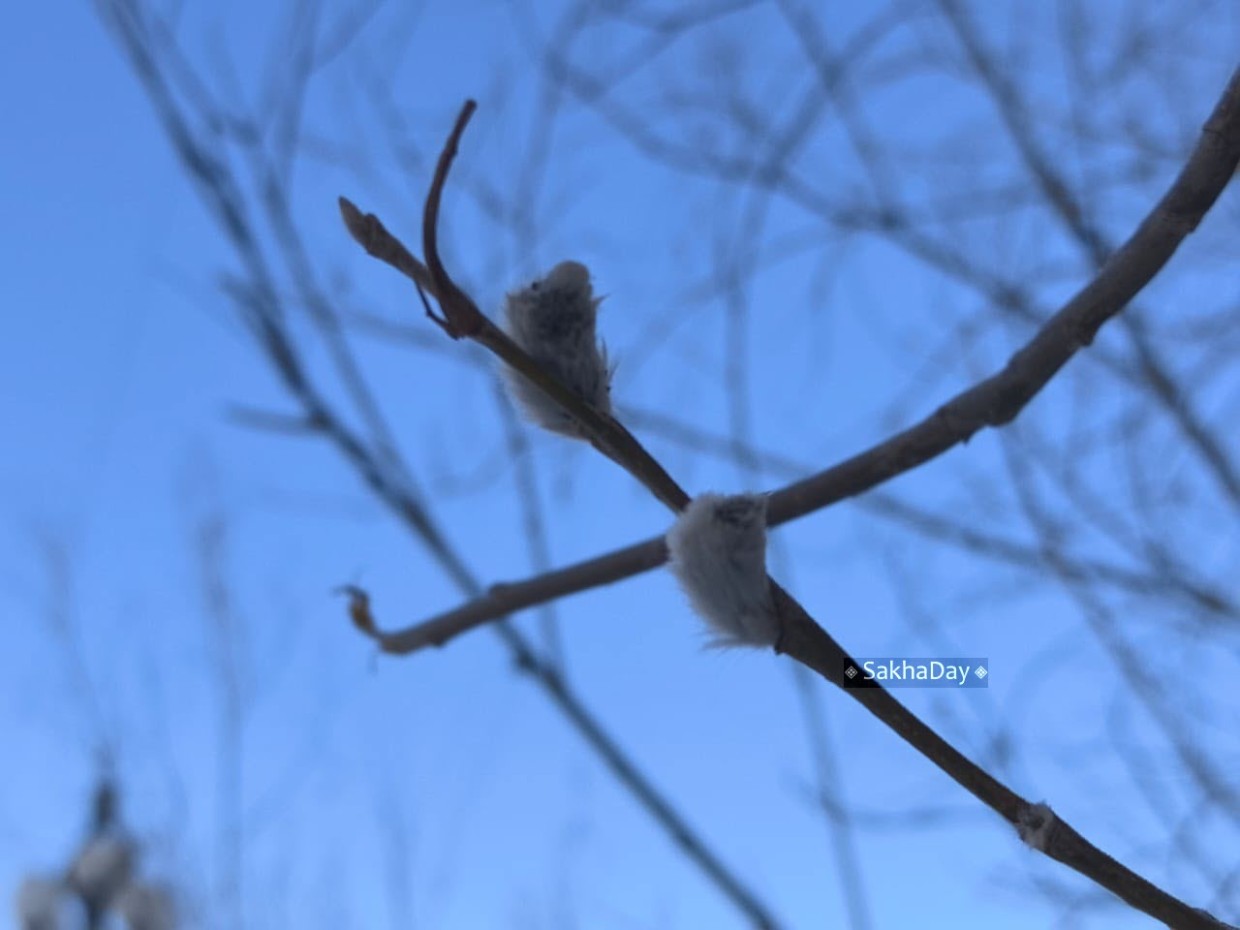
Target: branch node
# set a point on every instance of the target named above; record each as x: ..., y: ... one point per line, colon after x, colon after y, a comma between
x: 1035, y: 824
x: 432, y: 315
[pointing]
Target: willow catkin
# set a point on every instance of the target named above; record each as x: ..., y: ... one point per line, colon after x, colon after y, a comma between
x: 554, y: 321
x: 717, y: 551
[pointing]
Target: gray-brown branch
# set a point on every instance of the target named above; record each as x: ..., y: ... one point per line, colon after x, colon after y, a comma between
x: 994, y: 401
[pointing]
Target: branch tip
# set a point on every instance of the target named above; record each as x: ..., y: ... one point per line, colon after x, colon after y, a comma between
x: 354, y: 219
x: 359, y: 610
x: 460, y: 316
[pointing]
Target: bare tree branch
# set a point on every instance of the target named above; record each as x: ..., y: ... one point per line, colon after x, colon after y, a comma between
x: 993, y: 402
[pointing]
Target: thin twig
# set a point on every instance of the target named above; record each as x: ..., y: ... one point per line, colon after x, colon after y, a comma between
x: 461, y: 316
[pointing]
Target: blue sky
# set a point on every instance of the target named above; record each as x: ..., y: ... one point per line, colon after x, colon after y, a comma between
x: 119, y: 364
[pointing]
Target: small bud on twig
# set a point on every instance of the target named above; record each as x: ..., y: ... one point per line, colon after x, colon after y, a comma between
x: 359, y: 609
x: 717, y: 552
x: 1034, y: 825
x: 553, y: 320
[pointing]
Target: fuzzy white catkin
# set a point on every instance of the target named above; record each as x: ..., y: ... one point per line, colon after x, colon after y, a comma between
x: 147, y: 907
x: 717, y: 551
x: 554, y: 321
x: 102, y: 868
x: 38, y: 903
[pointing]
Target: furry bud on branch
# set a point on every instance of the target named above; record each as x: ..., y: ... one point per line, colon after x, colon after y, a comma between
x: 102, y: 869
x: 1034, y: 825
x: 147, y: 907
x: 38, y: 903
x: 553, y: 320
x: 717, y: 552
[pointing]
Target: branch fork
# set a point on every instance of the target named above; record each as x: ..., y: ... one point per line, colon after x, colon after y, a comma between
x: 992, y: 402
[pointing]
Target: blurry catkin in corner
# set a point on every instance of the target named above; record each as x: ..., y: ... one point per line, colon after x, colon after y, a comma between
x: 554, y: 321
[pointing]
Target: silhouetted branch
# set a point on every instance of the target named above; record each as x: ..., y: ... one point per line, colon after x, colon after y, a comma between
x: 992, y: 402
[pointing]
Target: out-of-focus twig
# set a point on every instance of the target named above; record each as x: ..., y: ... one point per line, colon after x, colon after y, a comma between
x: 1057, y: 192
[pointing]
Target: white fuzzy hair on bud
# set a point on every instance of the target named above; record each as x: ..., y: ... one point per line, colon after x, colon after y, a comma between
x: 717, y: 552
x: 147, y: 907
x: 38, y: 903
x: 102, y: 868
x: 554, y: 321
